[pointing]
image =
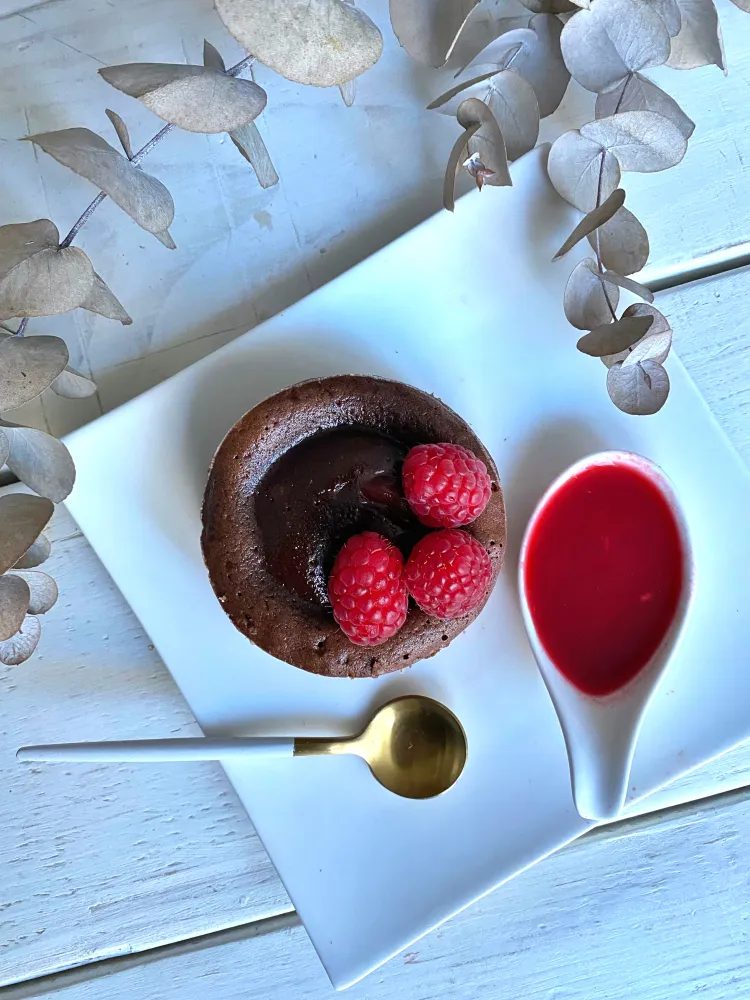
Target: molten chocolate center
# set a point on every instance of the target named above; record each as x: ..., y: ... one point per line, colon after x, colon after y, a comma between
x: 321, y: 492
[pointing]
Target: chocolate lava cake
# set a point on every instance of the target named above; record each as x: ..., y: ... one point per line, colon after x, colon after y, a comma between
x: 296, y: 477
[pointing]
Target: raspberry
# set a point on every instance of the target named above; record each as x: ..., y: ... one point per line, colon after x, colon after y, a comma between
x: 446, y: 485
x: 448, y: 573
x: 367, y: 589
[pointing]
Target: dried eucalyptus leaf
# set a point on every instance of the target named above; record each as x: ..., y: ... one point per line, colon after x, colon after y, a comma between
x: 40, y: 461
x: 655, y: 346
x: 670, y: 13
x: 612, y: 278
x: 602, y: 45
x: 629, y: 285
x: 37, y: 278
x: 28, y: 365
x: 14, y: 603
x: 643, y: 141
x: 603, y: 213
x: 454, y: 161
x: 20, y: 646
x: 43, y: 592
x: 73, y: 385
x: 487, y: 145
x: 535, y: 54
x: 699, y: 41
x: 102, y: 301
x: 498, y: 53
x: 512, y: 102
x: 250, y: 143
x: 651, y: 348
x: 612, y: 359
x: 588, y: 304
x: 144, y: 198
x: 613, y: 337
x: 122, y: 132
x: 319, y: 42
x: 640, y: 389
x: 22, y: 518
x: 637, y: 93
x: 581, y: 171
x: 429, y: 29
x: 648, y: 348
x: 36, y: 553
x: 212, y: 58
x: 348, y: 91
x: 542, y: 64
x: 165, y: 238
x: 51, y: 282
x: 659, y: 324
x: 549, y: 6
x: 193, y: 97
x: 483, y: 26
x: 622, y: 243
x: 4, y: 449
x: 446, y: 103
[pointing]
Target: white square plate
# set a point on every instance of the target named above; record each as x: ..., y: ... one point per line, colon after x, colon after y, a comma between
x: 469, y: 308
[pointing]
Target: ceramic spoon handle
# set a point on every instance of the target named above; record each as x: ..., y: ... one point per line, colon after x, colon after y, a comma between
x: 154, y: 751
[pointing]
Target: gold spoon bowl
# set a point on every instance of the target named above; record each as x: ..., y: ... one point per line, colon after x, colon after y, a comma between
x: 414, y: 746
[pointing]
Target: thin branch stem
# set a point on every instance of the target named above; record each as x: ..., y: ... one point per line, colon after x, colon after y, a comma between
x: 599, y: 263
x: 600, y: 184
x: 137, y: 157
x: 153, y: 141
x: 81, y: 222
x: 514, y: 53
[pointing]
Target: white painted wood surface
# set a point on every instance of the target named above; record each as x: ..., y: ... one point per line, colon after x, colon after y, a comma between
x: 96, y: 863
x: 352, y: 179
x: 713, y: 340
x: 652, y: 910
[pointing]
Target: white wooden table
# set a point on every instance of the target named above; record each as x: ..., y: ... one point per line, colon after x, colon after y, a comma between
x: 150, y: 882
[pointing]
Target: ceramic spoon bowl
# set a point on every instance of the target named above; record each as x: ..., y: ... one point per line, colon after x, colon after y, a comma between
x: 601, y: 731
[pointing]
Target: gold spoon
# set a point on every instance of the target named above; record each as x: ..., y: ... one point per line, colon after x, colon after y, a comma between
x: 413, y: 745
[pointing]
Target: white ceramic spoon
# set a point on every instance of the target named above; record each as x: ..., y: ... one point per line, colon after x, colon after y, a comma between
x: 601, y: 732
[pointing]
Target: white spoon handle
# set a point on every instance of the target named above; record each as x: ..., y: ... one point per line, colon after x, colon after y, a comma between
x: 156, y: 751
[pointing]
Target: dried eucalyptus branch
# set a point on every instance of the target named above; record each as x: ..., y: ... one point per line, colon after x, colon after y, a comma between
x: 604, y: 45
x: 136, y: 158
x: 324, y: 43
x: 22, y: 595
x: 43, y: 275
x: 599, y: 189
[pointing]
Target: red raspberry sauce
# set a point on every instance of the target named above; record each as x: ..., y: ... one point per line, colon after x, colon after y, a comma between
x: 603, y: 576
